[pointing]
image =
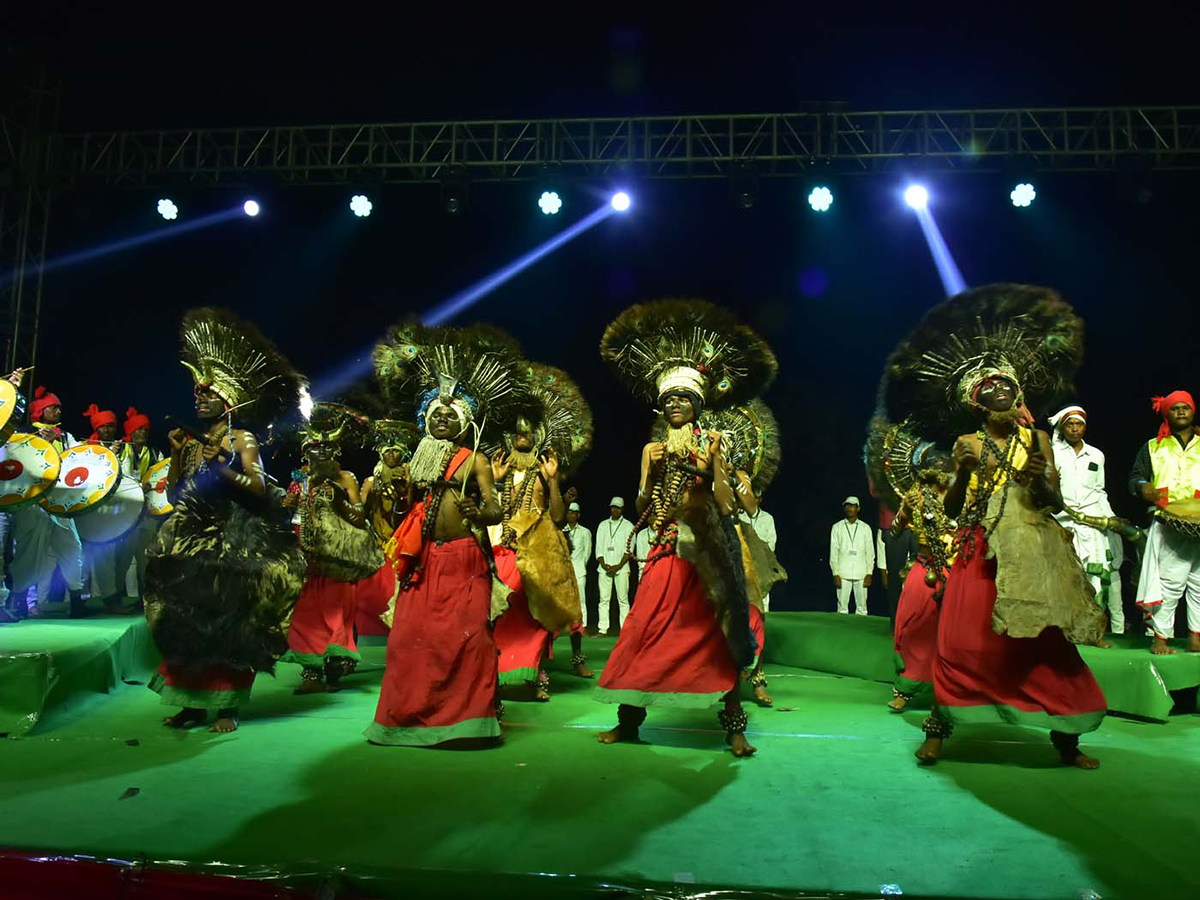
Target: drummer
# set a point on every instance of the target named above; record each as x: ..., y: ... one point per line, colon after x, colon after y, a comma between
x: 104, y: 561
x: 1167, y: 470
x: 46, y: 544
x: 137, y: 456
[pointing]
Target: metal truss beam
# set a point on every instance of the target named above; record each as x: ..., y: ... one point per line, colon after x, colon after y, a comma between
x: 784, y: 144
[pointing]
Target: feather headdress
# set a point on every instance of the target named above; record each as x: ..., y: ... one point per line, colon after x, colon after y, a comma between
x: 1024, y: 333
x: 234, y: 360
x: 559, y: 416
x: 688, y: 345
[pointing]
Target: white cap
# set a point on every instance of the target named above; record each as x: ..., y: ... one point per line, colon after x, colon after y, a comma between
x: 849, y: 500
x: 573, y: 507
x: 617, y: 501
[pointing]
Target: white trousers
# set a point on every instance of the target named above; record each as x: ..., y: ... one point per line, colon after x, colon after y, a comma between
x: 852, y: 586
x: 42, y: 543
x: 1170, y: 569
x: 620, y: 582
x: 581, y: 580
x: 1116, y: 612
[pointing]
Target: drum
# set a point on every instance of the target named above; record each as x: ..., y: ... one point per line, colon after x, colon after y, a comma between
x: 29, y: 467
x: 89, y: 474
x: 1182, y: 516
x: 12, y: 409
x: 158, y: 503
x: 115, y: 516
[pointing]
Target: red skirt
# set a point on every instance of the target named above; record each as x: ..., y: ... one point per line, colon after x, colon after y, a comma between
x: 520, y: 638
x: 440, y: 682
x: 213, y: 687
x: 758, y: 625
x: 322, y: 625
x: 981, y: 676
x: 372, y: 599
x: 671, y: 651
x: 916, y: 631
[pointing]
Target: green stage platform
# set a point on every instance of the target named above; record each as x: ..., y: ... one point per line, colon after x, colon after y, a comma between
x: 834, y: 802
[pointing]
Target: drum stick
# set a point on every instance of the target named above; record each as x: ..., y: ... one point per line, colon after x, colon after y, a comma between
x: 194, y: 433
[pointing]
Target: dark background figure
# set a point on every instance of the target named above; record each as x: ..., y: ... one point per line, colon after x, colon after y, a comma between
x: 898, y: 553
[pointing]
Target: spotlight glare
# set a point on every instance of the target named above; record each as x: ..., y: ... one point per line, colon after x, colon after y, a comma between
x: 820, y: 199
x: 550, y: 203
x: 916, y: 196
x: 1023, y: 194
x: 621, y: 201
x: 167, y: 209
x: 250, y: 207
x: 360, y: 206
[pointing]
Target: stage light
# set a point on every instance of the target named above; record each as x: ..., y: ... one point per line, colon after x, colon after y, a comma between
x: 167, y: 209
x: 1023, y: 194
x: 360, y: 206
x: 250, y: 208
x: 550, y: 203
x: 621, y: 201
x: 916, y: 196
x: 820, y: 199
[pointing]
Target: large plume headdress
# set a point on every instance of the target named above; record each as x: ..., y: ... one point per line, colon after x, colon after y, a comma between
x: 1024, y: 333
x: 335, y: 426
x: 895, y: 456
x: 751, y: 439
x: 234, y: 360
x: 473, y: 370
x: 556, y: 412
x: 688, y: 345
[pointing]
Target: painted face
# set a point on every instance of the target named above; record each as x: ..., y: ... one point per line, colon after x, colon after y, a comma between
x: 208, y: 404
x: 443, y: 422
x: 322, y: 461
x: 1073, y: 430
x: 52, y: 415
x: 678, y: 409
x: 107, y: 432
x: 523, y: 441
x: 1180, y: 416
x: 140, y: 435
x: 391, y: 458
x: 997, y: 395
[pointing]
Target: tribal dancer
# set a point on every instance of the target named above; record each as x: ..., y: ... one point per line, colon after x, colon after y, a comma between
x: 1016, y: 598
x: 1095, y: 529
x: 441, y: 678
x: 341, y: 552
x: 532, y: 555
x: 688, y: 634
x: 385, y: 500
x: 910, y: 474
x: 224, y: 571
x: 750, y: 439
x: 1166, y: 473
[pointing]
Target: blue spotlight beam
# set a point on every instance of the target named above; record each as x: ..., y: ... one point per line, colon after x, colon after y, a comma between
x: 137, y: 240
x: 952, y: 280
x: 333, y: 384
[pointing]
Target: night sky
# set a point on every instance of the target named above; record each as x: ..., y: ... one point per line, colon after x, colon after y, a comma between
x: 832, y: 294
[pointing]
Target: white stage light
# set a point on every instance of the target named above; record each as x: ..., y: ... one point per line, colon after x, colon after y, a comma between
x: 621, y: 201
x: 167, y: 209
x: 360, y: 206
x: 820, y: 199
x: 916, y: 196
x: 550, y: 203
x: 1023, y: 194
x: 250, y: 207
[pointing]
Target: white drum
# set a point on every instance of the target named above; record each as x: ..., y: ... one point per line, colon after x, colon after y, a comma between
x: 116, y: 516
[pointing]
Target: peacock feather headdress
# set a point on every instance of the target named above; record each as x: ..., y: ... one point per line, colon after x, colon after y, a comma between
x: 688, y: 345
x: 561, y: 419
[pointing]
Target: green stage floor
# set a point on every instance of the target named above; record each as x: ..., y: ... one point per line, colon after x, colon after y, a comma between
x: 833, y: 802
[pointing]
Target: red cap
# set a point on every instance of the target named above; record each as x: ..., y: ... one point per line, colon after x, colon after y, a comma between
x: 1162, y: 404
x: 41, y: 399
x: 133, y: 421
x: 99, y: 417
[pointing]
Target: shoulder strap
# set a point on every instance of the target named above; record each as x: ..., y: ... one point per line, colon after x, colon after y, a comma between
x: 457, y: 460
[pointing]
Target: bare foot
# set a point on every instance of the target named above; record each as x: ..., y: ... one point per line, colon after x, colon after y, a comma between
x: 620, y: 734
x: 928, y: 752
x: 1193, y: 644
x: 1102, y: 644
x: 540, y: 694
x: 1080, y: 760
x: 227, y: 721
x: 761, y: 697
x: 583, y: 671
x: 310, y: 686
x: 185, y: 718
x: 1159, y: 646
x: 739, y: 745
x: 897, y: 704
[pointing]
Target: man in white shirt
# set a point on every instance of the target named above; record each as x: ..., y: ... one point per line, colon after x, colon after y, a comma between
x: 851, y: 558
x: 612, y: 558
x: 1081, y: 483
x: 763, y: 524
x: 580, y: 541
